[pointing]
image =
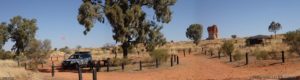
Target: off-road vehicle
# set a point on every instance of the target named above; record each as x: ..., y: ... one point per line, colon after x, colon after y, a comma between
x: 78, y: 59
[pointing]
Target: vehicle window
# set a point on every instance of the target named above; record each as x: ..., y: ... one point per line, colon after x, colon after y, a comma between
x: 74, y: 57
x: 86, y: 56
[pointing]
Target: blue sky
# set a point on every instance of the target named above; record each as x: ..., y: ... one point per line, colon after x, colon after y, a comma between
x: 57, y: 19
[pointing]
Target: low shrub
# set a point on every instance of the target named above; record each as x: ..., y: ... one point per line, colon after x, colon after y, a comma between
x: 228, y: 47
x: 116, y: 61
x: 119, y: 61
x: 210, y: 50
x: 293, y: 39
x: 237, y: 56
x: 274, y: 55
x: 6, y: 55
x: 66, y: 50
x: 261, y: 54
x: 161, y: 54
x: 37, y: 52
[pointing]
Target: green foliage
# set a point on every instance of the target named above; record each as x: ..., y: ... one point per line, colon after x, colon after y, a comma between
x: 38, y: 52
x: 227, y: 47
x: 293, y: 39
x: 194, y: 32
x: 160, y: 54
x: 127, y: 18
x: 155, y: 38
x: 46, y: 46
x: 4, y: 35
x: 88, y: 13
x: 274, y: 27
x: 5, y: 55
x: 22, y: 31
x: 237, y: 56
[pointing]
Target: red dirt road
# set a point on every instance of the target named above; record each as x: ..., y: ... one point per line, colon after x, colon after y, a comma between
x: 192, y: 67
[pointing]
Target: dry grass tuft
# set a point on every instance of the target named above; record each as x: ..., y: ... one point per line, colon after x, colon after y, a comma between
x: 10, y: 69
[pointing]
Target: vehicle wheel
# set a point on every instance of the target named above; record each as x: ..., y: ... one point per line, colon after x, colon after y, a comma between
x: 90, y: 64
x: 64, y: 68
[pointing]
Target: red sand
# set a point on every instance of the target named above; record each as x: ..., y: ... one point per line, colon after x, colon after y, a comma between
x: 191, y: 67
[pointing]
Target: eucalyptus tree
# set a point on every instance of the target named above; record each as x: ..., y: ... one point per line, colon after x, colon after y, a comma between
x: 4, y: 35
x: 234, y: 36
x: 274, y: 27
x: 78, y: 47
x: 194, y: 32
x: 126, y: 17
x: 22, y: 31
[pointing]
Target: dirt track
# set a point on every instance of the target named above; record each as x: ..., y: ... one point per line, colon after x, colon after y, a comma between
x: 192, y: 67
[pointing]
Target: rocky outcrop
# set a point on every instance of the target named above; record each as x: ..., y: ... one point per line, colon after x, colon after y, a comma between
x: 212, y: 32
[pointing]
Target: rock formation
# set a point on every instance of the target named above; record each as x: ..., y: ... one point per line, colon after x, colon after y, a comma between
x: 212, y: 32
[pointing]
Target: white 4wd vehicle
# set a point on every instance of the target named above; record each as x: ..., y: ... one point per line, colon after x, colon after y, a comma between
x: 78, y: 59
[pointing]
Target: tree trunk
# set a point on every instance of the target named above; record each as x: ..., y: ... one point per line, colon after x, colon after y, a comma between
x: 125, y: 52
x: 125, y: 47
x: 196, y: 42
x: 17, y: 53
x: 115, y: 52
x: 230, y: 57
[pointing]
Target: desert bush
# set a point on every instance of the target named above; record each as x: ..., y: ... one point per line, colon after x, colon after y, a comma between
x: 21, y: 58
x: 293, y: 39
x: 66, y: 50
x: 227, y: 47
x: 237, y: 56
x: 6, y: 55
x: 274, y: 55
x: 116, y: 61
x: 160, y: 54
x: 119, y: 61
x: 37, y: 52
x: 210, y: 50
x: 261, y: 54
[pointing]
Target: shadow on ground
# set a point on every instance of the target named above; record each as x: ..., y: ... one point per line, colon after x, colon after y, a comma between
x: 291, y: 78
